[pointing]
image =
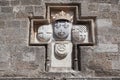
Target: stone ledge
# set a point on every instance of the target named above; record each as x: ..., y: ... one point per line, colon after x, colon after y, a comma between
x: 59, y: 79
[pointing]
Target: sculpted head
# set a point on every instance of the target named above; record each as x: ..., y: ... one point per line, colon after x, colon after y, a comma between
x: 61, y: 29
x: 44, y: 33
x: 79, y: 33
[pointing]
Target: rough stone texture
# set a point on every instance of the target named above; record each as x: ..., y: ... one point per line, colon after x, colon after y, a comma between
x: 106, y: 48
x: 18, y: 59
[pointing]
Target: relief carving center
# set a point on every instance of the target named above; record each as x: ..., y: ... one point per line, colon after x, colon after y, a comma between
x: 62, y: 31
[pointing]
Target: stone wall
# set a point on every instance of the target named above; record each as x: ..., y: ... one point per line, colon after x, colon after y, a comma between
x: 18, y: 59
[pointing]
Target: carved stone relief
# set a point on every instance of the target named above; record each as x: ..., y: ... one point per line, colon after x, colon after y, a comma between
x: 80, y: 34
x: 62, y: 32
x: 44, y: 33
x: 61, y: 56
x: 61, y: 50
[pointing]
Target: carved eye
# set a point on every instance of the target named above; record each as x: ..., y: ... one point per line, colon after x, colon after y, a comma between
x: 56, y: 25
x: 66, y: 25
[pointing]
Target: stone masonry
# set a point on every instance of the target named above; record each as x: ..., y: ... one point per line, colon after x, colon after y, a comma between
x: 18, y: 59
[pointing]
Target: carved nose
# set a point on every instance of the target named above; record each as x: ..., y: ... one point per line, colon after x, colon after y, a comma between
x: 61, y: 32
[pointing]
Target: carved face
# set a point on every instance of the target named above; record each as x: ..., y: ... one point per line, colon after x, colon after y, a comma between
x: 79, y: 33
x: 44, y: 33
x: 61, y: 50
x: 61, y: 29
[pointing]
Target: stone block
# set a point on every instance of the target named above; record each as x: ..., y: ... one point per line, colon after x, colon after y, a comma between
x: 88, y: 79
x: 2, y: 24
x: 114, y: 15
x: 39, y: 11
x: 6, y: 16
x: 24, y: 25
x: 119, y: 47
x: 7, y: 9
x: 116, y: 22
x: 15, y: 2
x: 104, y: 7
x: 114, y: 7
x: 118, y: 16
x: 104, y: 1
x: 2, y: 40
x: 22, y: 15
x: 116, y: 65
x: 115, y: 78
x: 4, y: 3
x: 93, y: 7
x: 93, y: 1
x: 118, y: 7
x: 29, y: 9
x: 100, y: 62
x: 4, y: 54
x: 102, y: 40
x: 106, y: 48
x: 40, y: 57
x: 84, y: 9
x: 114, y: 1
x: 31, y: 2
x: 13, y: 24
x: 104, y: 23
x: 4, y: 66
x: 24, y: 78
x: 30, y: 56
x: 21, y: 66
x: 103, y: 15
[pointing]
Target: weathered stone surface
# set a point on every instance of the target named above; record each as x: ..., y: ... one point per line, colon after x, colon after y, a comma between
x: 29, y: 9
x: 93, y: 7
x: 104, y: 23
x: 7, y: 16
x: 104, y: 15
x: 114, y: 15
x: 2, y: 24
x: 106, y: 48
x: 39, y: 11
x: 104, y: 1
x: 13, y: 24
x: 6, y: 9
x: 89, y: 79
x: 31, y: 2
x: 104, y: 7
x: 115, y: 1
x: 15, y: 2
x: 4, y: 3
x: 17, y: 59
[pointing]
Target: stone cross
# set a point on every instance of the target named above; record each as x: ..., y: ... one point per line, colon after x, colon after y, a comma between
x: 62, y: 33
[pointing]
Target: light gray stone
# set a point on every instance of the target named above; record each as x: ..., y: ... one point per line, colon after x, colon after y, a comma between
x: 80, y: 34
x: 104, y: 23
x: 13, y: 24
x: 62, y: 30
x: 45, y: 33
x: 106, y: 48
x: 60, y: 56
